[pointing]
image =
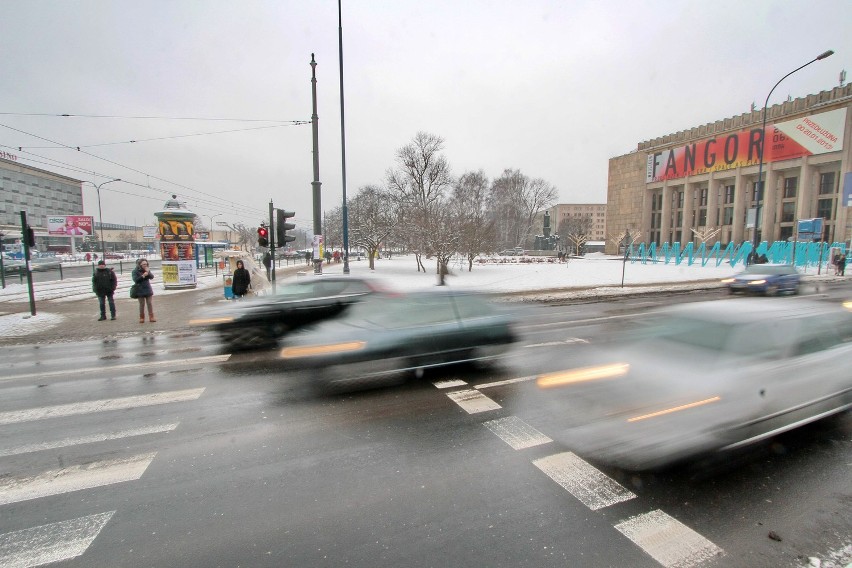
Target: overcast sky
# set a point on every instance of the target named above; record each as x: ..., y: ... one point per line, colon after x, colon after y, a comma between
x: 552, y: 88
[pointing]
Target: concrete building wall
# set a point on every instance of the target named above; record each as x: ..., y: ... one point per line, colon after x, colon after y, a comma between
x: 714, y: 205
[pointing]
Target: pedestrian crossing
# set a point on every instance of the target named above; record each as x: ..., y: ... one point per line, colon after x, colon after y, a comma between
x: 82, y: 444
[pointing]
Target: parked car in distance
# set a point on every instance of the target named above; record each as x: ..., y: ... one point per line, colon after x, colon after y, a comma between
x: 766, y: 279
x: 388, y: 336
x: 702, y: 378
x: 252, y: 323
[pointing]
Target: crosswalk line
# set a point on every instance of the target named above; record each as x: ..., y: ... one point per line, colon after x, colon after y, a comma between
x: 74, y: 478
x: 122, y: 367
x: 73, y: 409
x: 473, y: 401
x: 667, y: 540
x: 517, y: 433
x: 94, y: 438
x: 582, y: 480
x: 55, y: 542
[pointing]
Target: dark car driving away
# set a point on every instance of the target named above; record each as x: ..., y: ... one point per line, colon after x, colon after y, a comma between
x: 766, y: 279
x: 703, y: 377
x: 260, y: 322
x: 390, y: 335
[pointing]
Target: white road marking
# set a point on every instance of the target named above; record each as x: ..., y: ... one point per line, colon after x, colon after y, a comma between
x: 109, y: 368
x: 50, y: 543
x: 506, y: 382
x: 667, y: 540
x: 87, y: 440
x: 517, y: 433
x: 569, y: 341
x: 594, y: 489
x: 74, y: 478
x: 473, y: 401
x: 448, y: 384
x: 31, y: 414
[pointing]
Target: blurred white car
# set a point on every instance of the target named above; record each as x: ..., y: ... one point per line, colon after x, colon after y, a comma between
x: 704, y: 377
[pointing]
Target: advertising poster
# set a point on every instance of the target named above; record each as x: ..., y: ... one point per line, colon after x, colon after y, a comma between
x: 73, y: 225
x: 804, y: 136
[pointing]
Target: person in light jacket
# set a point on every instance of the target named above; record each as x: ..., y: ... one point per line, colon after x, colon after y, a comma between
x: 142, y: 277
x: 104, y: 283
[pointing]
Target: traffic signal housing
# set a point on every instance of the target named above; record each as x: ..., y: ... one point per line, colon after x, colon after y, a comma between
x: 282, y: 226
x: 31, y: 242
x: 262, y: 236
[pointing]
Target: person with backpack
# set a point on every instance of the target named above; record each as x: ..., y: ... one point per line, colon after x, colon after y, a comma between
x: 104, y: 283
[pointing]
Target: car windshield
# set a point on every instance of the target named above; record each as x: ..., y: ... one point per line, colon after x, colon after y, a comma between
x: 769, y: 269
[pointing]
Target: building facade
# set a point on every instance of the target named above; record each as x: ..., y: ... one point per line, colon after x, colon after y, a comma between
x: 38, y: 192
x: 701, y: 185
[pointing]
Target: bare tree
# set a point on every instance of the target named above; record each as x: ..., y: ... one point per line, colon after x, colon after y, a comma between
x: 476, y: 230
x: 332, y: 228
x: 515, y: 202
x: 419, y: 183
x: 245, y: 238
x: 373, y: 216
x: 575, y: 232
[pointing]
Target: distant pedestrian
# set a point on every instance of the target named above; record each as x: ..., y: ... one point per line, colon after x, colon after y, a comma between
x: 241, y: 281
x: 142, y: 277
x: 841, y: 263
x: 267, y: 262
x: 104, y: 283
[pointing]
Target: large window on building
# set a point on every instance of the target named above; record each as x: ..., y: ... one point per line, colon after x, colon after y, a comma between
x: 826, y: 183
x: 788, y: 212
x: 791, y: 184
x: 825, y: 208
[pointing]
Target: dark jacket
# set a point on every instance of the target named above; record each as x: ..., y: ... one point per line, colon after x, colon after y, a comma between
x: 104, y: 281
x: 143, y: 285
x: 241, y: 282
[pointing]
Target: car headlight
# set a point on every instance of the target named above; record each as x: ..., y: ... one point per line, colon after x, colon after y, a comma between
x: 583, y: 374
x: 211, y: 321
x: 757, y: 282
x: 313, y: 350
x: 728, y: 280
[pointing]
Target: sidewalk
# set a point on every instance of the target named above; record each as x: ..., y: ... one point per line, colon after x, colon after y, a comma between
x: 67, y: 311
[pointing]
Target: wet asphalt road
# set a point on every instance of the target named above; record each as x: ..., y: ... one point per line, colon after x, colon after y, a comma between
x: 164, y: 450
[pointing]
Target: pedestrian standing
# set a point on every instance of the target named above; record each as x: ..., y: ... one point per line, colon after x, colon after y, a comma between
x: 841, y: 263
x: 267, y: 262
x: 104, y: 283
x: 142, y: 277
x: 241, y: 280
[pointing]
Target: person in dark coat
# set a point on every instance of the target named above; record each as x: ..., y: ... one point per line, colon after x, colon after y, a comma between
x: 241, y: 280
x: 104, y: 283
x: 267, y: 262
x: 142, y: 277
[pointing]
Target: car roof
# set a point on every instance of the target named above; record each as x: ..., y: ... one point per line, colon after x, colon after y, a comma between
x: 748, y: 310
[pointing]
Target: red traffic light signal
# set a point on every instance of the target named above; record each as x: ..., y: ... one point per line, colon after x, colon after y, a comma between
x: 262, y: 236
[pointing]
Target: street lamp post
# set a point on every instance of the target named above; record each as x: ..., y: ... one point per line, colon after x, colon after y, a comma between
x: 759, y: 193
x: 211, y: 217
x: 100, y: 213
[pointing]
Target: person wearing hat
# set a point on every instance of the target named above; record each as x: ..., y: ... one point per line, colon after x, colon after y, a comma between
x: 104, y: 283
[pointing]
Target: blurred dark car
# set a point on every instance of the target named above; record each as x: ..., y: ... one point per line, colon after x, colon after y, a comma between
x: 390, y: 336
x: 257, y: 322
x: 701, y: 378
x: 766, y: 279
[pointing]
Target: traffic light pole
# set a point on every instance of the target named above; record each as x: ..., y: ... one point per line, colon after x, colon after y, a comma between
x: 272, y: 243
x: 25, y: 239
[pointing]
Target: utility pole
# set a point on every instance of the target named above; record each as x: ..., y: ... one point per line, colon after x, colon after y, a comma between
x: 25, y: 239
x: 272, y: 244
x: 316, y: 184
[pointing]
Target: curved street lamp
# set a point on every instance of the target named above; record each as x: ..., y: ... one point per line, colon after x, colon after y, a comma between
x: 759, y: 193
x: 100, y: 214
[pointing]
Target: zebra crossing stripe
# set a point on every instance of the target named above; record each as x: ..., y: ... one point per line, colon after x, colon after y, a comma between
x: 74, y: 478
x: 667, y: 540
x: 31, y: 414
x: 50, y: 543
x: 582, y: 480
x: 473, y: 401
x: 517, y: 433
x: 122, y: 367
x: 67, y: 442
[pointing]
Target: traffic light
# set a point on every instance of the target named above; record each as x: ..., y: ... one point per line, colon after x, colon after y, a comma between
x: 30, y: 237
x: 282, y: 226
x: 262, y: 236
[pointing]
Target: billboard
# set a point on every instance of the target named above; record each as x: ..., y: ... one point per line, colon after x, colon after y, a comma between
x: 804, y: 136
x: 77, y: 225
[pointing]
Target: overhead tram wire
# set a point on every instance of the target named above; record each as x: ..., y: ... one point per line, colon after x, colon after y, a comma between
x: 178, y: 185
x: 211, y: 119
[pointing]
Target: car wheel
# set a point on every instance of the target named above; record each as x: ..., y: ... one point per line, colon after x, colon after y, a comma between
x: 795, y: 290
